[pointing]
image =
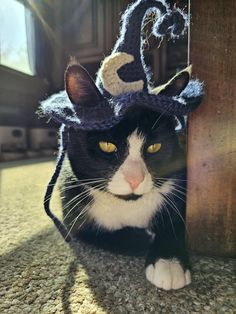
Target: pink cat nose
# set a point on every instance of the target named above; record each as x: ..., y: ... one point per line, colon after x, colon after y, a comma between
x: 134, y: 181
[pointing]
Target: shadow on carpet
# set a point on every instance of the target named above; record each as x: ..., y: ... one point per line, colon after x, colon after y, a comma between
x: 44, y: 275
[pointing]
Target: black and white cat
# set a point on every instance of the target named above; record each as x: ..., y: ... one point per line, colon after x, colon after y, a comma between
x: 124, y: 189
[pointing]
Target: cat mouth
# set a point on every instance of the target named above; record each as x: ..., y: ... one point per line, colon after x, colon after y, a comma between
x: 128, y: 197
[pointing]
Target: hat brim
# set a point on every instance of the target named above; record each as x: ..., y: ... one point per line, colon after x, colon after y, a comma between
x: 108, y: 113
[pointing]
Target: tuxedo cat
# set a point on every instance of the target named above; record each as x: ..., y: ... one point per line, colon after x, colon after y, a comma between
x: 124, y: 188
x: 123, y: 178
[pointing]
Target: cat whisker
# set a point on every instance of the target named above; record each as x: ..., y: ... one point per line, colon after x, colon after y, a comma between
x: 99, y: 187
x: 180, y: 187
x: 79, y: 195
x: 176, y: 190
x: 163, y: 221
x: 75, y: 179
x: 172, y: 193
x: 75, y: 220
x: 75, y: 198
x: 53, y: 184
x: 78, y: 200
x: 86, y: 180
x: 67, y: 182
x: 172, y: 204
x: 174, y: 183
x: 184, y: 193
x: 165, y: 207
x: 157, y: 120
x: 174, y: 207
x: 48, y: 198
x: 92, y: 179
x: 169, y: 178
x: 174, y: 179
x: 156, y: 218
x: 69, y: 187
x: 83, y: 212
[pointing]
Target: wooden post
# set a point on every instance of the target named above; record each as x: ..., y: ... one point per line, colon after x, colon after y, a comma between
x: 211, y: 212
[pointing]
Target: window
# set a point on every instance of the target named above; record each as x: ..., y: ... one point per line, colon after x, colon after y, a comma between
x: 14, y: 49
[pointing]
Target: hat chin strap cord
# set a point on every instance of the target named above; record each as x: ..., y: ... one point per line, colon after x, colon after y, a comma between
x: 47, y: 198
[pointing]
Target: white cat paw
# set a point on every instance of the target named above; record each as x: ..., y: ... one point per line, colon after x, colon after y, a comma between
x: 168, y: 274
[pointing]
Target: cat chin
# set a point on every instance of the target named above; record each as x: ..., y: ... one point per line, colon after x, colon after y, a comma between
x: 113, y: 213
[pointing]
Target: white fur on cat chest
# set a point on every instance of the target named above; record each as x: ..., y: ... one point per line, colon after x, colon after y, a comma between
x: 114, y: 213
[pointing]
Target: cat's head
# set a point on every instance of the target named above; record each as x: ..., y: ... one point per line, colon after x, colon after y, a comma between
x: 132, y: 157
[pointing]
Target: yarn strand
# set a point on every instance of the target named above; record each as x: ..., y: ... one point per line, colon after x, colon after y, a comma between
x: 50, y: 187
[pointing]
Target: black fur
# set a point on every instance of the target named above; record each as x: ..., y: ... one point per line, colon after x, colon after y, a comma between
x: 88, y: 161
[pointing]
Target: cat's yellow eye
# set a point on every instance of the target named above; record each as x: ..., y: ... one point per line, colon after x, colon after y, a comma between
x: 107, y: 147
x: 154, y: 148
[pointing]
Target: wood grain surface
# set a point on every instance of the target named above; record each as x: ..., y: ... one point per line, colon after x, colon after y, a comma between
x: 211, y: 213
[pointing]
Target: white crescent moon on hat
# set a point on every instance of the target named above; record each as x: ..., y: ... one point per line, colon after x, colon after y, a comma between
x: 110, y: 78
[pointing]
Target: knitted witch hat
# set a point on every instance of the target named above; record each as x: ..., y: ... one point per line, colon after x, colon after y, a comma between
x: 127, y: 55
x: 122, y: 85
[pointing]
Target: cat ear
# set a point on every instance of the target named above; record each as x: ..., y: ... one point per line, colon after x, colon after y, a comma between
x: 80, y: 87
x: 176, y: 85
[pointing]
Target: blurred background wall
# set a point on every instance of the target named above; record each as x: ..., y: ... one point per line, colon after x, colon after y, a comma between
x: 38, y: 37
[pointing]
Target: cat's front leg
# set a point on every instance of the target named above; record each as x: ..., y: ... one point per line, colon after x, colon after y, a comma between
x: 167, y: 264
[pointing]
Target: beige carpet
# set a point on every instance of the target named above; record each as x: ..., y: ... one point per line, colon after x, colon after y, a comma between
x: 39, y: 273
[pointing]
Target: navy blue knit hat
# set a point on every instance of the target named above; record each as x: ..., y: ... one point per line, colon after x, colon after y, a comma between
x: 122, y: 83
